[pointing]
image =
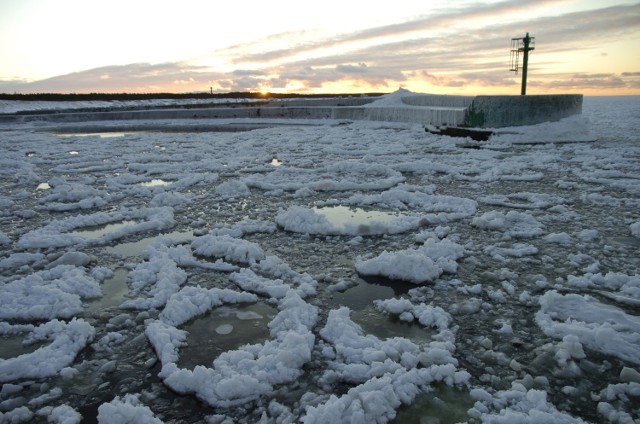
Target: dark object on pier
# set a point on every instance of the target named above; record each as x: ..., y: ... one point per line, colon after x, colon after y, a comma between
x: 474, y: 134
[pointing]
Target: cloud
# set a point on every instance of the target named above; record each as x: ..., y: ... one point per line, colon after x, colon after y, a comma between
x: 581, y: 82
x: 248, y: 72
x: 423, y: 49
x: 360, y: 68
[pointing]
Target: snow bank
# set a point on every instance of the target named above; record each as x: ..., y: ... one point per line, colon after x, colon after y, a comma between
x: 573, y: 129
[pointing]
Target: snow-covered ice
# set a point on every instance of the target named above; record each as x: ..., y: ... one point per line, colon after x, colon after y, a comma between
x: 398, y: 264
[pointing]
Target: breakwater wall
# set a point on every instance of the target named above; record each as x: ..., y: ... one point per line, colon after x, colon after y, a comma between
x: 438, y: 110
x: 510, y: 111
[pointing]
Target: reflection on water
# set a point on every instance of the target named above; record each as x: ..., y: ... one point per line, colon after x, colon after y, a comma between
x: 444, y: 405
x: 11, y: 346
x: 370, y: 288
x: 155, y: 183
x: 385, y: 326
x: 341, y: 216
x: 224, y: 328
x: 362, y: 295
x: 96, y: 134
x: 136, y: 248
x: 623, y: 241
x: 96, y: 231
x: 114, y: 291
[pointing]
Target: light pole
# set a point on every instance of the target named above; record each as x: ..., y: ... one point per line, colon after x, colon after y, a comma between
x: 524, y: 48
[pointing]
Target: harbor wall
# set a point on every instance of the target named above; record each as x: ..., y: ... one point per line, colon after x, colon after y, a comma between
x: 513, y: 111
x: 437, y: 110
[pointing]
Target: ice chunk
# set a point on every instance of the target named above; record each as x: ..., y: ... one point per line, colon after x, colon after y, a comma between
x: 598, y: 326
x: 126, y: 409
x: 417, y: 266
x: 242, y: 375
x: 54, y: 293
x: 58, y: 233
x: 229, y: 248
x: 71, y: 258
x: 512, y: 224
x: 67, y: 339
x: 518, y: 405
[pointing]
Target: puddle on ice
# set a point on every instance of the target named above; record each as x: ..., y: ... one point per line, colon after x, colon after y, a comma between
x: 340, y: 216
x: 224, y: 328
x: 361, y: 296
x: 96, y: 134
x: 385, y: 326
x: 43, y: 186
x: 374, y: 288
x: 155, y: 183
x: 136, y: 248
x: 96, y: 231
x: 114, y: 291
x: 11, y: 346
x: 444, y: 405
x: 625, y: 241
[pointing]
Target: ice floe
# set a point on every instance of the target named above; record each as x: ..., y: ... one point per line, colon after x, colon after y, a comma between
x: 376, y: 271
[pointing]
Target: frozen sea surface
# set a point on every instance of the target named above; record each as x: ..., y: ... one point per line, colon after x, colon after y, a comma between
x: 321, y: 271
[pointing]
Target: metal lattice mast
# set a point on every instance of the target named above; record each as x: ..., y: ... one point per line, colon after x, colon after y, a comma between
x: 521, y: 45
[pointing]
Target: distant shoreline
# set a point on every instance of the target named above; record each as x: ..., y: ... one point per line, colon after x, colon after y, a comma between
x: 151, y: 96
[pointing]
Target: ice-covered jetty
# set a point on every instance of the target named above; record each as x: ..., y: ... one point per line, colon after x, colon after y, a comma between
x: 400, y: 106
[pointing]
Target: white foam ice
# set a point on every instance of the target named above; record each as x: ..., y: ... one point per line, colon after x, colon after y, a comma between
x: 600, y: 327
x: 66, y: 340
x: 507, y: 233
x: 424, y: 264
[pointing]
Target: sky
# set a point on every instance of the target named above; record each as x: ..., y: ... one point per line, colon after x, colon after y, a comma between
x: 325, y: 46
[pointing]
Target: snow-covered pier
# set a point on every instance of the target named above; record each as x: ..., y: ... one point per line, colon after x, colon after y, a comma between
x: 401, y: 106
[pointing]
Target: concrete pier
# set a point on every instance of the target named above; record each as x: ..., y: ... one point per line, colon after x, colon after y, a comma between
x: 511, y: 111
x: 426, y: 109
